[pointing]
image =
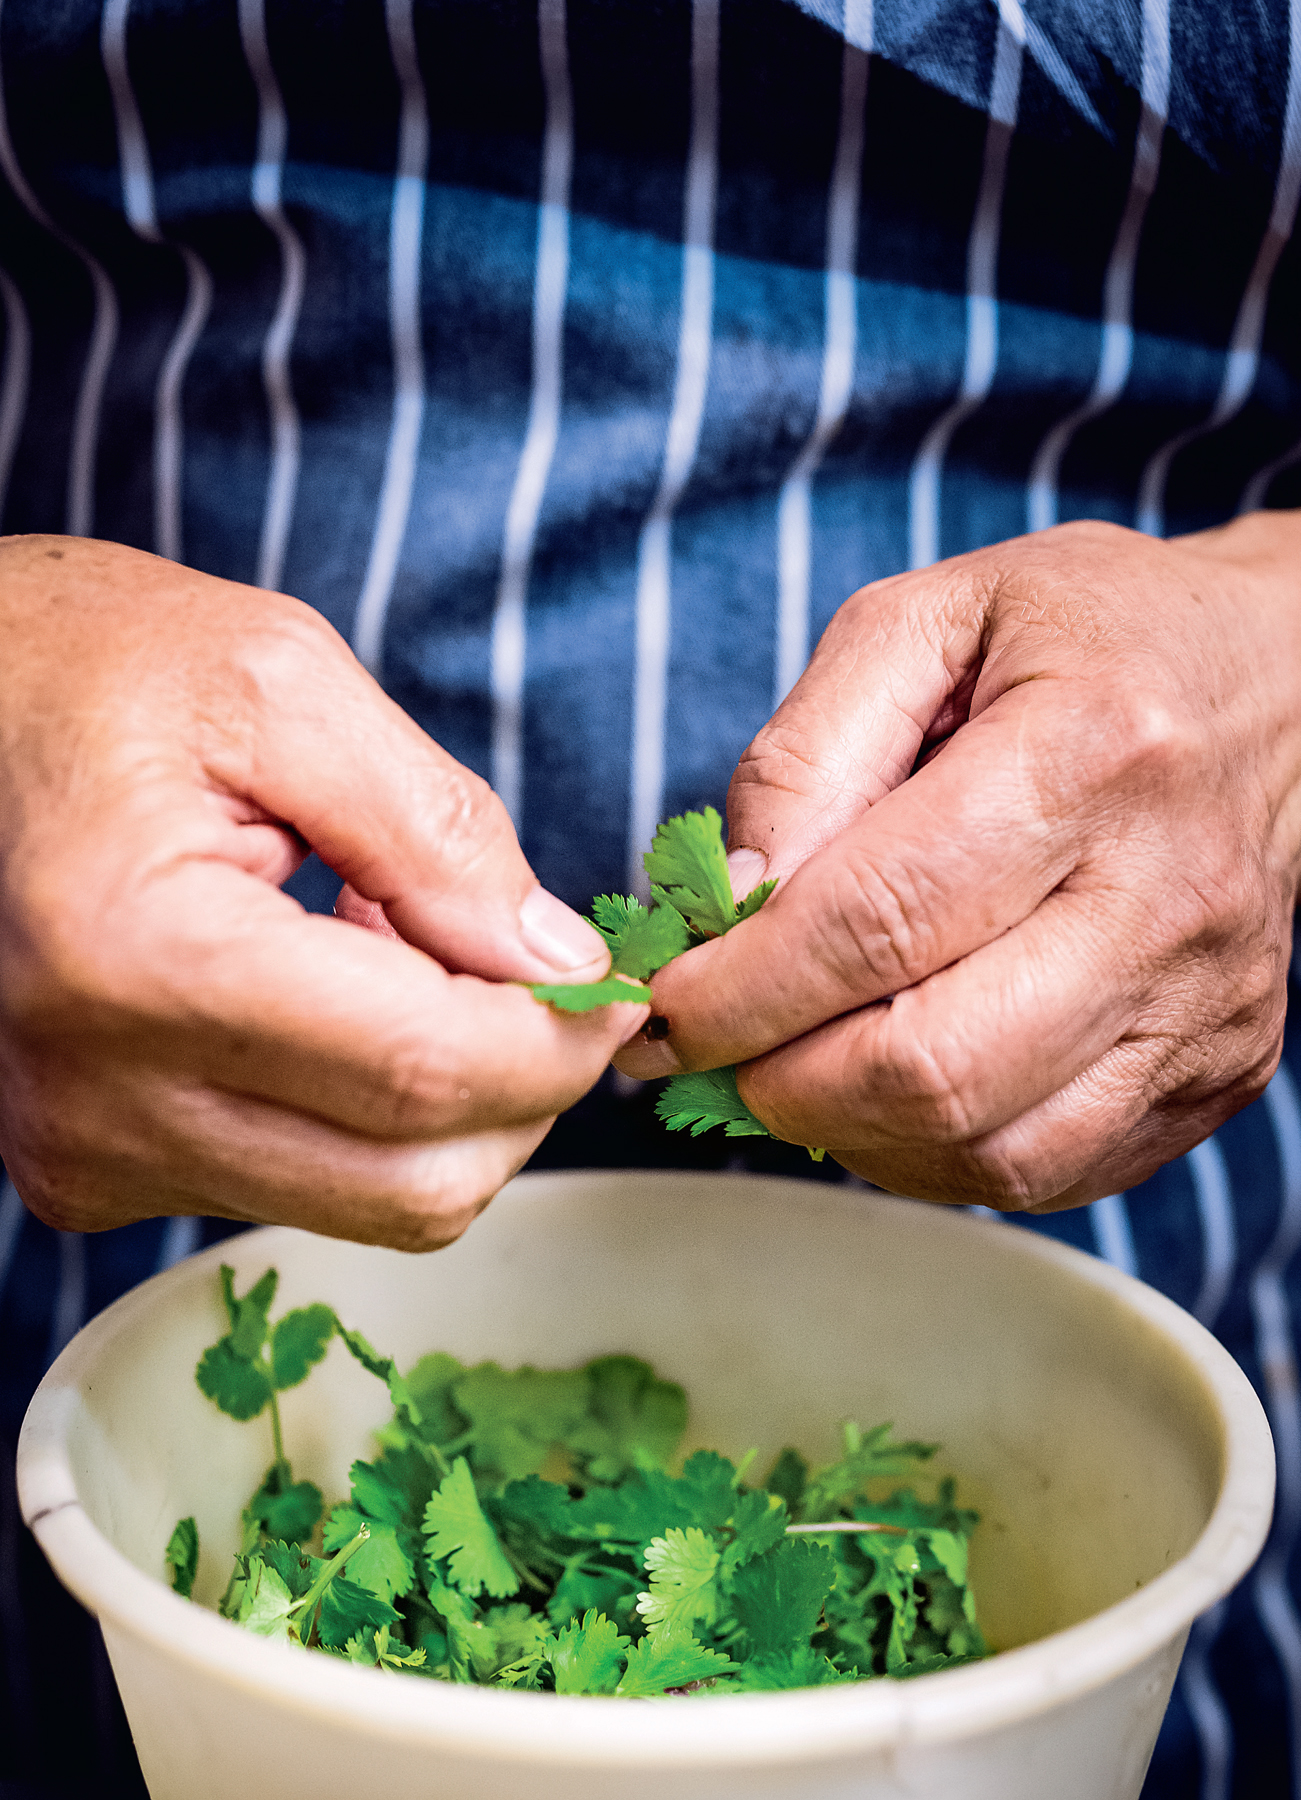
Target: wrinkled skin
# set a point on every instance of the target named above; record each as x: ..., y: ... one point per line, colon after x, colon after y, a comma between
x: 1036, y: 815
x: 176, y: 1034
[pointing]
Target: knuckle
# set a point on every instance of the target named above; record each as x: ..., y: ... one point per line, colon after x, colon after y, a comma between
x: 455, y: 808
x: 456, y: 1183
x: 57, y: 967
x: 935, y: 1088
x: 784, y: 756
x: 996, y: 1178
x: 1145, y: 744
x: 877, y: 925
x: 271, y: 654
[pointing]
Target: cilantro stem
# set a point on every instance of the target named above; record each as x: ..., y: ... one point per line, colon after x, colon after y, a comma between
x: 440, y: 1461
x: 276, y: 1438
x: 838, y: 1525
x: 744, y: 1464
x: 312, y: 1598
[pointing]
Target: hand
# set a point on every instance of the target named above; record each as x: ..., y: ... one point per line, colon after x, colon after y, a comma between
x: 176, y: 1034
x: 1036, y: 815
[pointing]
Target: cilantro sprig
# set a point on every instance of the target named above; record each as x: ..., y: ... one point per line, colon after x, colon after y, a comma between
x: 523, y: 1528
x: 691, y: 902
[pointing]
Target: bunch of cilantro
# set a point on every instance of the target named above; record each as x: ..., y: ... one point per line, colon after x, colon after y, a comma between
x: 691, y: 902
x: 520, y: 1528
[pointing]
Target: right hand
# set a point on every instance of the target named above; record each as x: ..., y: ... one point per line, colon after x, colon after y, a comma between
x: 176, y: 1034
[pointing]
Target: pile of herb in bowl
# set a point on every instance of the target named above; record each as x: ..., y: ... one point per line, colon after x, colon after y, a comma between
x: 521, y: 1528
x: 1118, y: 1458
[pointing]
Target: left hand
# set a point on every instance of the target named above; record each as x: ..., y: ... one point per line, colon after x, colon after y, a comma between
x: 1036, y: 815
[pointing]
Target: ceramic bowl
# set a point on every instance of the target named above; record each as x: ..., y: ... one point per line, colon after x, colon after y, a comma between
x: 1120, y: 1459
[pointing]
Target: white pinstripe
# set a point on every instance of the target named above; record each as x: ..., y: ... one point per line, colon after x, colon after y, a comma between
x: 13, y: 1216
x: 70, y: 1301
x: 140, y: 205
x: 268, y: 172
x: 79, y: 508
x: 840, y: 337
x: 550, y: 281
x: 406, y: 234
x: 1118, y: 284
x: 982, y: 291
x: 1210, y: 1179
x: 1277, y: 1356
x: 1113, y: 1233
x: 654, y: 550
x: 1257, y: 489
x: 1243, y: 359
x: 15, y: 379
x: 180, y: 1239
x: 1206, y: 1709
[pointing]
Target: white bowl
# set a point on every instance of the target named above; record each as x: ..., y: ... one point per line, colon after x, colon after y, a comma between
x: 1120, y: 1458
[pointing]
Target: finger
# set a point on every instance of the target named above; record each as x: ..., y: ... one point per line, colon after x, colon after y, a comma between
x: 960, y: 853
x: 227, y: 980
x: 407, y: 826
x: 891, y: 666
x: 1101, y: 1134
x: 1142, y: 1102
x: 369, y: 914
x: 147, y: 1149
x: 966, y: 1051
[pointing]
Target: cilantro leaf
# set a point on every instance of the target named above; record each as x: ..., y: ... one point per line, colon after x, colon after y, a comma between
x: 380, y: 1564
x: 347, y: 1609
x: 682, y: 1566
x: 283, y: 1508
x: 788, y: 1477
x: 297, y: 1568
x: 456, y: 1528
x: 704, y: 1098
x: 633, y: 1417
x: 516, y: 1415
x: 867, y: 1456
x: 267, y: 1603
x: 394, y: 1490
x: 182, y: 1555
x: 429, y: 1384
x: 377, y: 1650
x: 381, y: 1366
x: 587, y: 1658
x: 670, y: 1659
x: 643, y: 1506
x: 534, y: 1509
x: 950, y: 1551
x: 803, y: 1667
x: 614, y: 916
x: 651, y: 939
x: 709, y: 1482
x: 746, y: 908
x: 585, y: 996
x: 298, y: 1341
x: 758, y: 1522
x: 778, y: 1596
x: 581, y: 1589
x: 248, y: 1316
x: 239, y: 1387
x: 688, y: 863
x: 507, y: 1645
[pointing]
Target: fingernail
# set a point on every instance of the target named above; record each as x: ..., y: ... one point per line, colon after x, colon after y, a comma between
x: 746, y: 868
x: 369, y: 914
x: 557, y: 934
x: 647, y: 1056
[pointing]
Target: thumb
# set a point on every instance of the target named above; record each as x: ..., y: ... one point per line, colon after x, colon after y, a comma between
x: 893, y: 670
x: 413, y: 832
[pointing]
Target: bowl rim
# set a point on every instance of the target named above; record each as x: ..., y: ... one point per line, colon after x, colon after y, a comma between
x: 811, y: 1725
